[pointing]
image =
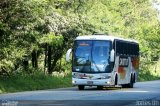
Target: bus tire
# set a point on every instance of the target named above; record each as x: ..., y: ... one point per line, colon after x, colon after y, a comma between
x: 130, y: 85
x: 81, y: 87
x: 116, y: 80
x: 134, y: 79
x: 99, y: 87
x: 124, y: 85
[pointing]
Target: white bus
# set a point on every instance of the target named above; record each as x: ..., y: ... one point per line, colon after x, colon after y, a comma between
x: 101, y: 60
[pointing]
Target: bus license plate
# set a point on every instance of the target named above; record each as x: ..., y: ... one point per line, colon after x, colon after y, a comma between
x: 90, y: 82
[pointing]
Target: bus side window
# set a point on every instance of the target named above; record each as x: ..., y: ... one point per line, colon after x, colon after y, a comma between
x: 130, y: 49
x: 137, y: 50
x: 133, y: 51
x: 121, y: 48
x: 125, y: 48
x: 117, y: 48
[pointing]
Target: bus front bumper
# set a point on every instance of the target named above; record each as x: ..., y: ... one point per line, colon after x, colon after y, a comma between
x: 90, y: 82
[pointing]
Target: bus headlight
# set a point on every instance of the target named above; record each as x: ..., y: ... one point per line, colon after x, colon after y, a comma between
x: 105, y: 77
x: 73, y: 82
x: 108, y: 82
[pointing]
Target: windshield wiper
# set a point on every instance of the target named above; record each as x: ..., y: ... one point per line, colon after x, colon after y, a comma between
x: 82, y: 59
x: 96, y: 66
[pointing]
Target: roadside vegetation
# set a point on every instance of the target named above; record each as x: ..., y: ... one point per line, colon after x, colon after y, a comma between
x: 35, y: 35
x: 35, y: 81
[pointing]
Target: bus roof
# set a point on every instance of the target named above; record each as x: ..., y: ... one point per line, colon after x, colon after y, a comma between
x: 103, y: 37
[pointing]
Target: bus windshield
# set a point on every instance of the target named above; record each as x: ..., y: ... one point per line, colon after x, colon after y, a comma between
x: 91, y: 56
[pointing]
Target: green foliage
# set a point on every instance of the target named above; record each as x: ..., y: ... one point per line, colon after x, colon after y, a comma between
x: 35, y: 81
x: 51, y: 39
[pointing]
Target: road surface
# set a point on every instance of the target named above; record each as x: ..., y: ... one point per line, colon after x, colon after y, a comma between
x: 143, y: 94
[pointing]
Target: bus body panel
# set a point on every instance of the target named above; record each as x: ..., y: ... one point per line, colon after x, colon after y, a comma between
x: 90, y: 79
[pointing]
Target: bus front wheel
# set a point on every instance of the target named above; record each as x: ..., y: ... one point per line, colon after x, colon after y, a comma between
x: 100, y: 87
x: 81, y: 87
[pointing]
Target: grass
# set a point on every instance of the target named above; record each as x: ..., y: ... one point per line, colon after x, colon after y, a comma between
x: 147, y: 76
x: 36, y: 81
x: 151, y: 73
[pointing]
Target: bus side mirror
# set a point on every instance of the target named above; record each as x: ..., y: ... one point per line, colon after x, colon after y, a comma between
x: 112, y: 56
x: 68, y: 55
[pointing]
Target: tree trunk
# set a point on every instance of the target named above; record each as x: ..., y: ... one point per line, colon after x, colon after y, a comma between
x: 57, y: 56
x: 49, y: 60
x: 60, y: 60
x: 25, y: 65
x: 34, y: 59
x: 45, y: 58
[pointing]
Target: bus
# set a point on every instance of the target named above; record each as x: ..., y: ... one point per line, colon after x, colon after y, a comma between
x: 102, y: 60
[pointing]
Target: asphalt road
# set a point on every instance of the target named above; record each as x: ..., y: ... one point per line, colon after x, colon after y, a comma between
x: 143, y: 94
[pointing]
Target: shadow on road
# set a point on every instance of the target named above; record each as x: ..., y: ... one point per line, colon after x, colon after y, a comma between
x: 104, y: 88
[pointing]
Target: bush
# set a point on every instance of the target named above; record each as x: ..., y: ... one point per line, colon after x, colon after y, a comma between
x: 34, y: 81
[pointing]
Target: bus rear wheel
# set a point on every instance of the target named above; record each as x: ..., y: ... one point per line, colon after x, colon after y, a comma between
x: 81, y: 87
x: 130, y: 85
x: 124, y: 85
x: 116, y: 81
